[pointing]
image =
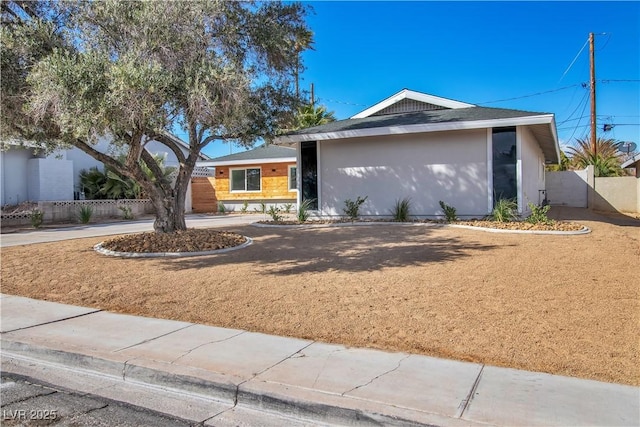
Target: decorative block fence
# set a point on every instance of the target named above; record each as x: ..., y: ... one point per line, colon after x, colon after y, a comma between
x: 67, y: 210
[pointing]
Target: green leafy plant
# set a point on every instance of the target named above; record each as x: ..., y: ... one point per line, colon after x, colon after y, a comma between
x: 400, y: 210
x: 244, y: 207
x: 221, y: 208
x: 505, y: 210
x: 85, y: 213
x: 303, y: 210
x: 37, y: 218
x: 449, y: 212
x: 262, y: 208
x: 539, y: 214
x: 126, y: 212
x: 287, y: 207
x: 274, y: 213
x: 352, y: 208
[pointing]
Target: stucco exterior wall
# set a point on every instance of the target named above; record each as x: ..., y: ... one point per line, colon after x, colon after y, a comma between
x: 50, y: 179
x: 617, y: 194
x: 532, y: 163
x: 567, y: 188
x: 14, y: 175
x: 447, y: 166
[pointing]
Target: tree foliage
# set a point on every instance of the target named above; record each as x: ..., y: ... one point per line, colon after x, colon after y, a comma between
x: 310, y: 115
x: 134, y: 71
x: 606, y: 159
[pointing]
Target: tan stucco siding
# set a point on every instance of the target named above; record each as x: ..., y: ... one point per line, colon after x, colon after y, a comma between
x: 448, y: 166
x: 274, y: 183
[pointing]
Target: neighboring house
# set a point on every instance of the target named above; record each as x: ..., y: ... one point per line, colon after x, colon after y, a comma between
x: 28, y: 175
x: 633, y: 162
x: 428, y: 149
x: 266, y: 174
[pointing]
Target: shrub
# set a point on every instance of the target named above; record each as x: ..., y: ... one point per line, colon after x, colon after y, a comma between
x: 221, y: 208
x: 262, y: 208
x: 449, y: 212
x: 244, y: 207
x: 505, y: 210
x: 303, y: 210
x: 274, y: 212
x: 538, y: 214
x: 85, y: 213
x: 37, y: 217
x: 126, y: 212
x: 352, y: 208
x: 287, y: 207
x: 400, y: 210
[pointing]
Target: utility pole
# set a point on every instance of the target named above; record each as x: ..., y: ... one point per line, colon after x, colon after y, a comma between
x: 592, y: 67
x: 312, y: 96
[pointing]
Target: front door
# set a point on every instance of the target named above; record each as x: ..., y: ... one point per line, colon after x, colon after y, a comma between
x: 309, y: 165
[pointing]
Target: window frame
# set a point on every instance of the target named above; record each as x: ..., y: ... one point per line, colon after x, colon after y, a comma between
x: 295, y: 183
x: 231, y: 190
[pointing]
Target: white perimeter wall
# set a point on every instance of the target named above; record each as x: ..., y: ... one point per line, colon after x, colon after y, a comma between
x: 14, y: 175
x: 532, y: 161
x: 447, y: 166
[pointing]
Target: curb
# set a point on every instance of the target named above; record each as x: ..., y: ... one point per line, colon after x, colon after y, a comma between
x: 101, y: 250
x: 274, y: 398
x: 583, y: 230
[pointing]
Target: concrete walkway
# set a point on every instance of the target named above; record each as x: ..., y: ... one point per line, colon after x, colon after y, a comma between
x: 121, y: 227
x: 212, y: 375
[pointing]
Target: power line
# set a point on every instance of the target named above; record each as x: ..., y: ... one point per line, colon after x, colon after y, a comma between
x: 528, y: 96
x: 574, y: 60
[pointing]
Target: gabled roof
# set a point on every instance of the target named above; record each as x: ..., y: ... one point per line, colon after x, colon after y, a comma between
x: 261, y: 154
x: 184, y: 145
x: 633, y: 162
x: 542, y: 126
x: 409, y: 100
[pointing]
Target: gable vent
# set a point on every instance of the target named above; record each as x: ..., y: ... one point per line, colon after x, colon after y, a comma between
x: 408, y: 106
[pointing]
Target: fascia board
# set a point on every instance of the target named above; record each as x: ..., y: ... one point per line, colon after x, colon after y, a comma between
x: 421, y: 128
x: 246, y: 162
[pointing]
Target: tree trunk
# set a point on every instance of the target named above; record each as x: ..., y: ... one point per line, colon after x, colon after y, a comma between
x: 169, y: 214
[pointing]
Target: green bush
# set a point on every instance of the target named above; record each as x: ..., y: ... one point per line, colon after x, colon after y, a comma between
x: 538, y: 214
x: 85, y: 213
x: 126, y: 212
x: 352, y: 208
x: 400, y: 210
x: 37, y: 217
x: 449, y: 212
x: 303, y: 210
x: 287, y: 207
x: 505, y: 210
x: 244, y: 207
x: 274, y: 213
x: 221, y: 208
x: 262, y: 208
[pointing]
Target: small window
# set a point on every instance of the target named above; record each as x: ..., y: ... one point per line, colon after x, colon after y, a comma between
x: 245, y: 179
x: 293, y: 178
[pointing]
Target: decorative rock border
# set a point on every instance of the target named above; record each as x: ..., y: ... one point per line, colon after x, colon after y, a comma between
x: 98, y: 248
x: 583, y: 230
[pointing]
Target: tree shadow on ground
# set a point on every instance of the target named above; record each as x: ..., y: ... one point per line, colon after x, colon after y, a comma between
x: 565, y: 213
x: 351, y: 249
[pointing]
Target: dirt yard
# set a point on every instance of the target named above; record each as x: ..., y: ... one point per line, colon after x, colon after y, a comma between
x: 567, y: 305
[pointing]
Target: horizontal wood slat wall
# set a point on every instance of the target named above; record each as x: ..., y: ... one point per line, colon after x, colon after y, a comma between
x: 203, y: 195
x: 274, y: 181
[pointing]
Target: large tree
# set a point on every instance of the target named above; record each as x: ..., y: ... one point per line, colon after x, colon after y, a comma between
x: 134, y: 71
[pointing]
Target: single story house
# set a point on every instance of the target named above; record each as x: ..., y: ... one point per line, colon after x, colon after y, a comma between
x: 429, y: 149
x: 29, y: 175
x: 267, y: 174
x: 633, y: 163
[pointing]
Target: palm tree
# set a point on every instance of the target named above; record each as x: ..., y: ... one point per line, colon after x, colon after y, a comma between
x: 310, y: 115
x: 606, y: 160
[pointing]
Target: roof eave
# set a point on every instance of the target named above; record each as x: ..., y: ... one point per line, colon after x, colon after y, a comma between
x: 245, y: 162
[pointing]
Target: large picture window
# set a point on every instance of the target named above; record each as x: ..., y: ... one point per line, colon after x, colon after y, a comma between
x: 293, y: 178
x: 505, y: 181
x: 245, y: 179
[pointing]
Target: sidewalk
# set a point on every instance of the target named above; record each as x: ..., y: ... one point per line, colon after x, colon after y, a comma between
x: 208, y: 374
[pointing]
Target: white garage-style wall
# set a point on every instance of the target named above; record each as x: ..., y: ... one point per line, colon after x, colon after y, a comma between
x: 428, y: 167
x: 532, y: 170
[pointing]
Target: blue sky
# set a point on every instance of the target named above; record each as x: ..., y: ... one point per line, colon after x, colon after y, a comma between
x: 518, y: 53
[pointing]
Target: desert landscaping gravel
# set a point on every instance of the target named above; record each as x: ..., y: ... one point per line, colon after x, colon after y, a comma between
x: 567, y: 305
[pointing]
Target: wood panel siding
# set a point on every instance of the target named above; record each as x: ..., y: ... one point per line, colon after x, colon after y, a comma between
x: 203, y: 195
x: 274, y: 183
